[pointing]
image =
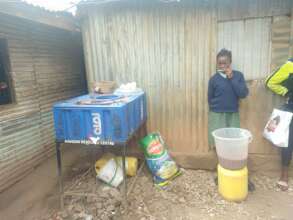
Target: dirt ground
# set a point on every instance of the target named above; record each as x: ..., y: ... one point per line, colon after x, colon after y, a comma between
x: 192, y: 195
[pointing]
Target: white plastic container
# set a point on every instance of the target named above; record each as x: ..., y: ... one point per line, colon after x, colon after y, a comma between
x: 232, y: 147
x: 111, y: 173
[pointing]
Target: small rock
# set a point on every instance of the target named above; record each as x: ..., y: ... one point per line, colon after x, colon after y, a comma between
x: 75, y: 217
x: 90, y: 199
x: 104, y: 218
x: 182, y: 200
x: 110, y: 208
x: 106, y: 188
x: 64, y: 214
x: 104, y: 195
x: 111, y: 201
x: 98, y: 199
x: 117, y: 203
x: 136, y: 191
x: 78, y: 208
x: 99, y: 212
x: 115, y: 194
x: 143, y: 218
x: 115, y: 217
x: 70, y: 208
x: 88, y: 217
x: 99, y: 205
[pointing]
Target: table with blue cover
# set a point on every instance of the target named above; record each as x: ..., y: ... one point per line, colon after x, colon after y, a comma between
x: 98, y: 120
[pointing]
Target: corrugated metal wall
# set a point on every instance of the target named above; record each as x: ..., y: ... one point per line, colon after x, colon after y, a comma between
x: 238, y: 9
x: 281, y: 31
x: 291, y: 34
x: 45, y: 67
x: 249, y: 41
x: 168, y: 51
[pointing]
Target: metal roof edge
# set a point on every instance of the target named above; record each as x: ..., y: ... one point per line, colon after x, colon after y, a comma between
x: 61, y: 20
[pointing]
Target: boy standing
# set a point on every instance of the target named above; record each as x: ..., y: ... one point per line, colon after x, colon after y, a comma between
x: 226, y: 88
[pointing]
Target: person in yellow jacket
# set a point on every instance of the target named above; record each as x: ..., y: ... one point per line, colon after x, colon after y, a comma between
x: 281, y: 83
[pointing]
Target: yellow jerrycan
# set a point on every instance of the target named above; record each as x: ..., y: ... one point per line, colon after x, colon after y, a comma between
x: 233, y: 184
x: 131, y: 163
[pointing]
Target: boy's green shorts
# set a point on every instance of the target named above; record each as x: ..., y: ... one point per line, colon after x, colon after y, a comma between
x: 221, y: 120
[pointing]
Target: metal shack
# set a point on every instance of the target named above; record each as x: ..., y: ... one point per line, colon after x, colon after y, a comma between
x: 40, y: 63
x: 169, y: 48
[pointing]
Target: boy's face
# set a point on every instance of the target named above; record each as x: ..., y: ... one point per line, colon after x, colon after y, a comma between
x: 223, y: 63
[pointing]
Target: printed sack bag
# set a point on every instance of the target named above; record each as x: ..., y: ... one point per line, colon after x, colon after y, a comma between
x: 161, y: 165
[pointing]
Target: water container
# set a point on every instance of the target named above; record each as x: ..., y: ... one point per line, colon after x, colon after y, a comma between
x: 232, y: 147
x: 233, y: 184
x: 111, y: 173
x: 131, y: 163
x: 99, y: 119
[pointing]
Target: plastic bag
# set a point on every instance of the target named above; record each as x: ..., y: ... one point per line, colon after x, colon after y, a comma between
x: 111, y: 173
x: 277, y: 128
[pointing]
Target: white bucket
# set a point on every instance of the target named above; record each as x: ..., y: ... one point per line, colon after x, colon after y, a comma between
x: 232, y: 147
x: 111, y: 173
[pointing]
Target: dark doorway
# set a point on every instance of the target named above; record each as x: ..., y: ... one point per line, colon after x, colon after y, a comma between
x: 5, y: 85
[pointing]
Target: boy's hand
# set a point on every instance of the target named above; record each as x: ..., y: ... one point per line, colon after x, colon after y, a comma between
x: 229, y: 72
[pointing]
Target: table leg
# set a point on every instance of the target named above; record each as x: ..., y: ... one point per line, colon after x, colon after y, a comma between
x: 145, y: 131
x: 60, y: 177
x: 124, y: 175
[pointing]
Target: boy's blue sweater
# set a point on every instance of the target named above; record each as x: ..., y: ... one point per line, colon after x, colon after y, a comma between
x: 224, y: 93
